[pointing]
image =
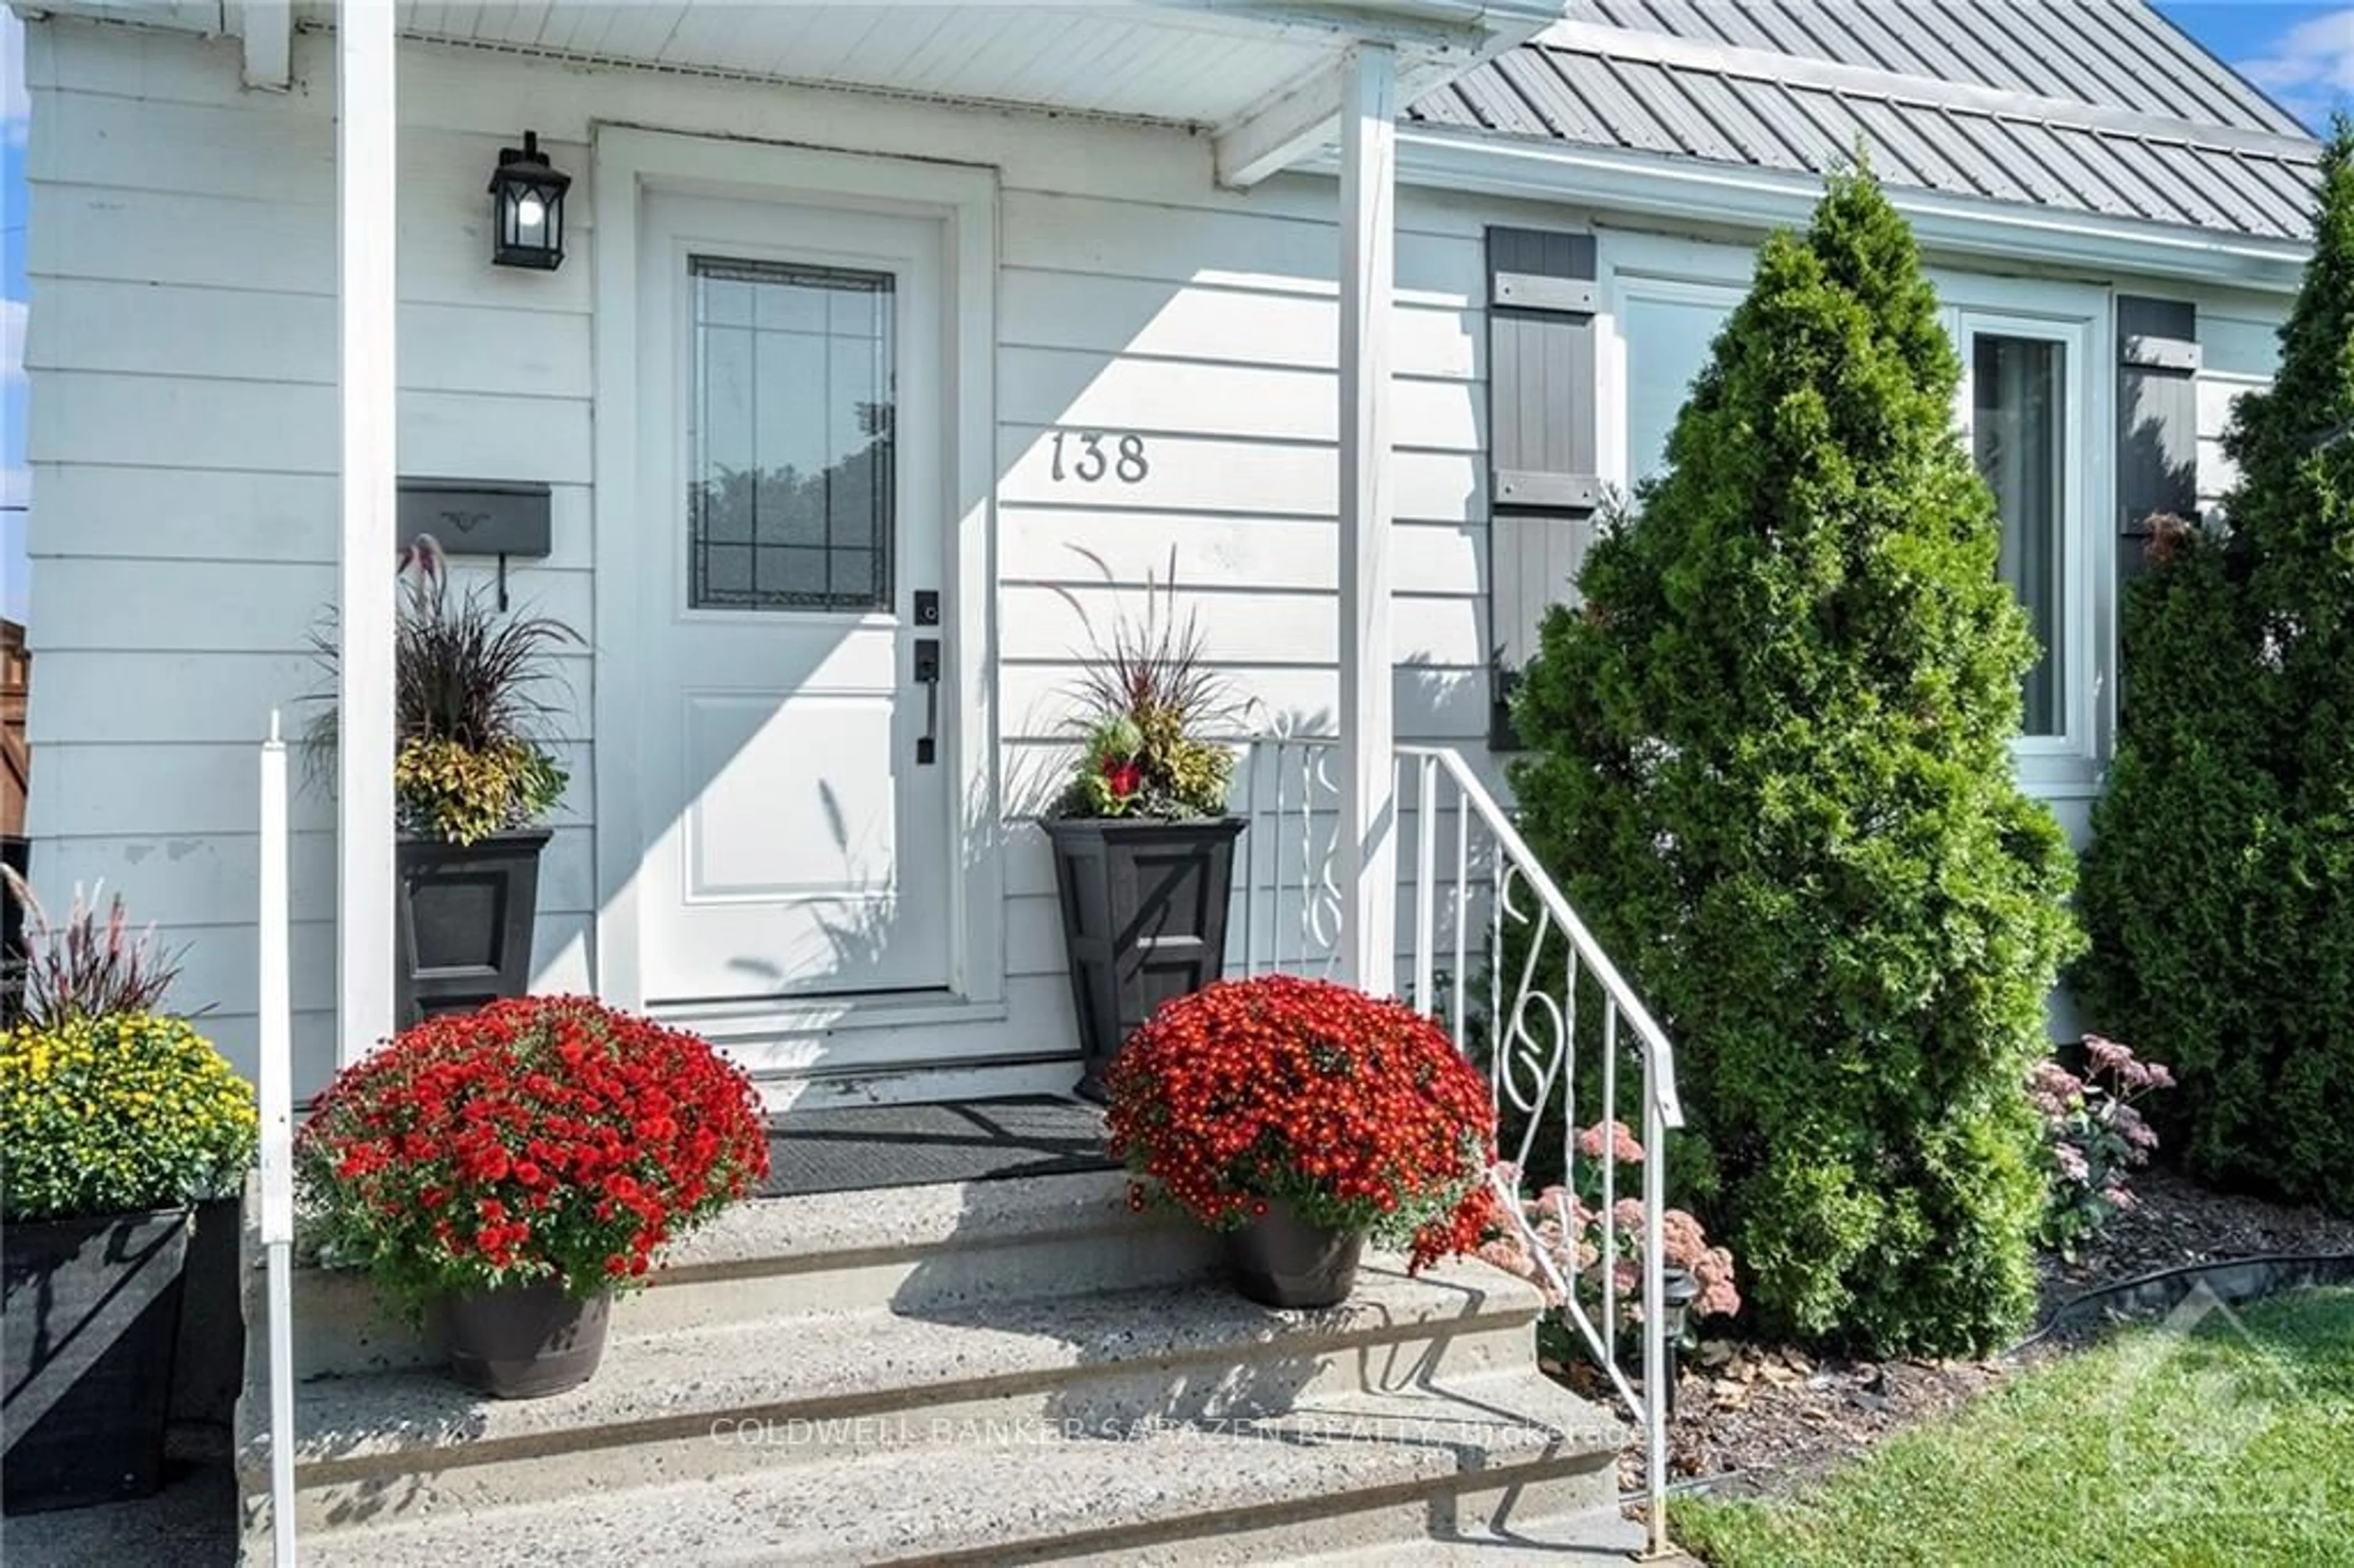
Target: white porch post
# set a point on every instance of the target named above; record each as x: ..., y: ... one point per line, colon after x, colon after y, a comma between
x: 365, y: 234
x: 1367, y: 860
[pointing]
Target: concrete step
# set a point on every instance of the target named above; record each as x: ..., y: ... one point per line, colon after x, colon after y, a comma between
x: 910, y: 1249
x: 706, y: 1401
x: 1366, y: 1469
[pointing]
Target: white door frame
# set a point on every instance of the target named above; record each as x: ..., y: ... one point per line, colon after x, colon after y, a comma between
x: 627, y: 163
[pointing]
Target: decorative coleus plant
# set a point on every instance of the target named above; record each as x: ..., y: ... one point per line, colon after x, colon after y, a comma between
x: 543, y: 1139
x: 1145, y: 700
x: 1357, y: 1111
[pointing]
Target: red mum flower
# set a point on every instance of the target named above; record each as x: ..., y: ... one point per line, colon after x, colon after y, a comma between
x: 578, y: 1141
x: 1358, y: 1111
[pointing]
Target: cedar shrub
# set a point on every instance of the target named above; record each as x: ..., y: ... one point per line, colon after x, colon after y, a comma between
x: 1769, y: 762
x: 2219, y: 887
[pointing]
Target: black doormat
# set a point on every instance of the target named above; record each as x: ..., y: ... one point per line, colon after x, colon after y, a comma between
x: 866, y: 1146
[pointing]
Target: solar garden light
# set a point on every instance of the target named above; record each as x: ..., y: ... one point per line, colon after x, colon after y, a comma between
x: 1679, y: 1289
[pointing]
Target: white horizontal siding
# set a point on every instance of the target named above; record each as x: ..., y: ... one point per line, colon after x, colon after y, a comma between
x: 1243, y: 625
x: 207, y: 334
x: 158, y: 790
x: 1268, y: 251
x: 1059, y: 545
x: 181, y: 247
x: 275, y: 427
x: 1446, y: 704
x: 2239, y: 353
x: 96, y: 231
x: 188, y: 881
x: 214, y: 698
x: 1210, y: 323
x: 1240, y: 477
x: 1107, y: 389
x: 2242, y: 344
x: 246, y: 515
x: 101, y: 604
x: 2218, y: 393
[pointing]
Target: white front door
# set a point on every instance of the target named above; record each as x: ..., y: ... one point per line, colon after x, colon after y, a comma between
x: 797, y: 800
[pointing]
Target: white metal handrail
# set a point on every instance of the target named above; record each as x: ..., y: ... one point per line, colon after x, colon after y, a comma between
x: 1515, y: 851
x: 1474, y: 880
x: 1283, y: 778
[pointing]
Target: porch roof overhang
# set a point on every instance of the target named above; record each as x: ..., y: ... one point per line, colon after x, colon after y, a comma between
x: 1263, y: 80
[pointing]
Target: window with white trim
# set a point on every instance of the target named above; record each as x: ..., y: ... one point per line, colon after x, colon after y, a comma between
x: 2023, y: 400
x: 2027, y: 401
x: 1666, y: 329
x: 2019, y: 408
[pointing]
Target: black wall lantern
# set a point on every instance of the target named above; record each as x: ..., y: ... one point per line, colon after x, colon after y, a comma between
x: 527, y: 208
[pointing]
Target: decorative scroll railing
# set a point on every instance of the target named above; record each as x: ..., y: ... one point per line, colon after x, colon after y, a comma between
x: 1490, y: 949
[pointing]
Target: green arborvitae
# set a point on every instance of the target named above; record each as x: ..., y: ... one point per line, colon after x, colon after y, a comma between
x: 1770, y: 763
x: 2219, y: 889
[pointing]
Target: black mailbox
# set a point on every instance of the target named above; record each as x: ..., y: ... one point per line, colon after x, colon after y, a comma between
x: 474, y: 518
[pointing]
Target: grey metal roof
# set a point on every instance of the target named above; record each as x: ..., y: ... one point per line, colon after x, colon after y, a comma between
x: 2096, y: 105
x: 2115, y: 52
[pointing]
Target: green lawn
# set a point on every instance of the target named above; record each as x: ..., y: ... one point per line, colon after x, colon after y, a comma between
x: 2230, y: 1444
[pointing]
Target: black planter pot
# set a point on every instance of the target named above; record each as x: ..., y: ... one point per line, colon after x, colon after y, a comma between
x: 521, y: 1341
x: 1144, y: 920
x: 1280, y: 1260
x: 93, y: 1313
x: 463, y: 926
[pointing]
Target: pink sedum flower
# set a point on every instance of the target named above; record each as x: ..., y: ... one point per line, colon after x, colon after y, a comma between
x: 1617, y: 1139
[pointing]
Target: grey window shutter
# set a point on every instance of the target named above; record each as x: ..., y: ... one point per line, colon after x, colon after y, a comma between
x: 2158, y: 421
x: 1542, y: 488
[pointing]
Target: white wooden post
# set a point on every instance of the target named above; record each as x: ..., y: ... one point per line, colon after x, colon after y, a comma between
x: 365, y: 163
x: 1367, y: 858
x: 278, y: 1141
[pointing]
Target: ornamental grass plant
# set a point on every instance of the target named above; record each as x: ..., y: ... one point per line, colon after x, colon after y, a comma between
x: 544, y: 1138
x: 1146, y: 694
x: 470, y: 722
x: 109, y: 1105
x: 1359, y: 1112
x: 86, y: 968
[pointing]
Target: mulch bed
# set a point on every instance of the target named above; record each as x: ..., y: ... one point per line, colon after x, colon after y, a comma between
x: 2179, y: 1223
x: 1761, y: 1418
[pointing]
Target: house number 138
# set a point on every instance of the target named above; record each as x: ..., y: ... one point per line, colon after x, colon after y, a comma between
x: 1090, y: 461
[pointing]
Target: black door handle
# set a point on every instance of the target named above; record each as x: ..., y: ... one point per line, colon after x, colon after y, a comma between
x: 927, y: 672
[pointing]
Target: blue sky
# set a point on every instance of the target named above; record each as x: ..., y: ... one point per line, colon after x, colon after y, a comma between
x: 2302, y: 54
